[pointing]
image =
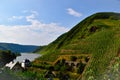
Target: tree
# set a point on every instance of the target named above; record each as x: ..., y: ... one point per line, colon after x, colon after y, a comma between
x: 87, y: 59
x: 81, y: 67
x: 63, y: 68
x: 73, y: 58
x: 63, y: 76
x: 6, y: 56
x: 57, y: 67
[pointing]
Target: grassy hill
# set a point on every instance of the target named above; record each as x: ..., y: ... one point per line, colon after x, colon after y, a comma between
x: 99, y: 36
x: 17, y: 47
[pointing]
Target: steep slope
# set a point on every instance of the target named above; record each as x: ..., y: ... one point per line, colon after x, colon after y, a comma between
x: 17, y: 47
x: 98, y: 35
x: 82, y: 30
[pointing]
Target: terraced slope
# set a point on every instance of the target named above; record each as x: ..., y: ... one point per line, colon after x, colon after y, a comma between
x: 98, y: 35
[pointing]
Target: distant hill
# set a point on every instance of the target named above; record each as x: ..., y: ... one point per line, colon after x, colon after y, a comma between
x: 98, y: 35
x: 17, y: 47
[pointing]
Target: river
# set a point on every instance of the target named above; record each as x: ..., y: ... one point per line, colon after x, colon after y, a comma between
x: 30, y: 56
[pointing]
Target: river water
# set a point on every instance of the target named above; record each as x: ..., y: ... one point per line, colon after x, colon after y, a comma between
x: 30, y: 56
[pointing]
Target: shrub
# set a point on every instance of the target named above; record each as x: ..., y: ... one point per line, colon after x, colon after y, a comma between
x: 73, y: 58
x: 81, y: 68
x: 87, y: 59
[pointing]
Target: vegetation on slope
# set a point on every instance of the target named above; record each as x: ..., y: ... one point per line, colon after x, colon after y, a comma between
x: 98, y: 35
x: 81, y: 30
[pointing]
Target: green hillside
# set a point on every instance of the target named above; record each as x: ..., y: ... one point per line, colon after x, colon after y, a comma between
x: 99, y: 36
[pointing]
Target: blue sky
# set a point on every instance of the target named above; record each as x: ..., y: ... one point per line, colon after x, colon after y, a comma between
x: 39, y: 22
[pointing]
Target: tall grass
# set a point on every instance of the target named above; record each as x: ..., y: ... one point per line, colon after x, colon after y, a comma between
x: 104, y: 50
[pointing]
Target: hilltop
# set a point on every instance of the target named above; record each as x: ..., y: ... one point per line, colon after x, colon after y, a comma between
x: 96, y: 37
x: 87, y: 27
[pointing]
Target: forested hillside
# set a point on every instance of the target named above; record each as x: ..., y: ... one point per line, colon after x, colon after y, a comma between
x: 17, y: 47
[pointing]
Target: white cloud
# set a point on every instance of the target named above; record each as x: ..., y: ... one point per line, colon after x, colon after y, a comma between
x: 36, y: 33
x: 34, y: 12
x: 73, y: 12
x: 15, y: 18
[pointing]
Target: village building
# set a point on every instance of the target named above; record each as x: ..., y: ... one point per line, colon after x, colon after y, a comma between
x: 15, y: 66
x: 26, y: 63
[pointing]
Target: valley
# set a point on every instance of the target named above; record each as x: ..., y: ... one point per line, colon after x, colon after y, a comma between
x: 89, y: 51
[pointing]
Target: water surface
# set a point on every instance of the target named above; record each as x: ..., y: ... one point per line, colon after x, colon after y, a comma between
x: 30, y: 56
